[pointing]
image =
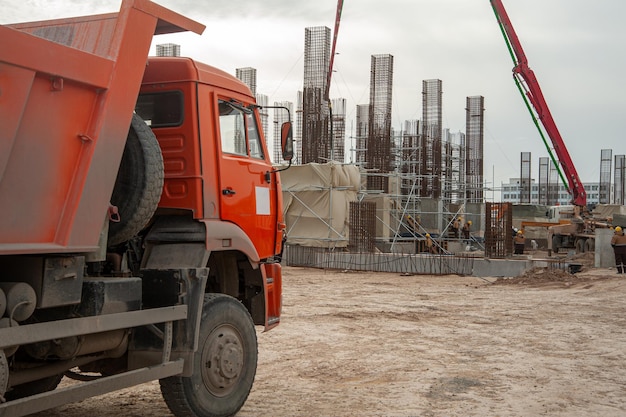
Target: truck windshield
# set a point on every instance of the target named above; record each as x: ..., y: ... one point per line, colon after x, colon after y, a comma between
x: 161, y: 109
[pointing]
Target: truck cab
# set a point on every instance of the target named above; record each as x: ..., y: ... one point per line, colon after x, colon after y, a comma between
x: 141, y: 220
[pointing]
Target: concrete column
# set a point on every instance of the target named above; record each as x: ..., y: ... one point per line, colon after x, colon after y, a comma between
x: 605, y: 258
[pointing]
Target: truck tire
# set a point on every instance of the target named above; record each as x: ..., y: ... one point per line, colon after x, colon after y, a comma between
x: 139, y: 183
x: 590, y: 245
x: 580, y: 245
x: 224, y: 364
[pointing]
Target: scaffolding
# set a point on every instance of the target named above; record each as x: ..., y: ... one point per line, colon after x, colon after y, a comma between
x: 454, y: 185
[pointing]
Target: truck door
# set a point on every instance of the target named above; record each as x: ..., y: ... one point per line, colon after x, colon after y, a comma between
x: 248, y: 193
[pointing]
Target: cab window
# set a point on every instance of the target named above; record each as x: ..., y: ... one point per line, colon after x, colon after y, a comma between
x: 256, y: 150
x: 232, y: 129
x: 238, y: 131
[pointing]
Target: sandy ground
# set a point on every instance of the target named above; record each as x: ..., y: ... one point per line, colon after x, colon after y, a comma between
x: 372, y: 344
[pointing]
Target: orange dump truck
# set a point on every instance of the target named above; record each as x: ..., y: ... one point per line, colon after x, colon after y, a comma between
x: 140, y: 217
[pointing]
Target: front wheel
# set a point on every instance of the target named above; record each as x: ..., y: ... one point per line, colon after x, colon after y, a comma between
x: 224, y: 364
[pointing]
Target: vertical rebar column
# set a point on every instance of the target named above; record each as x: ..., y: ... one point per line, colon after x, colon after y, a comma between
x: 362, y: 226
x: 525, y: 178
x: 339, y: 129
x: 299, y: 127
x: 620, y: 179
x: 474, y: 142
x: 316, y: 141
x: 498, y: 230
x: 410, y: 156
x: 362, y: 122
x: 606, y: 158
x: 378, y: 153
x: 432, y: 119
x: 544, y: 172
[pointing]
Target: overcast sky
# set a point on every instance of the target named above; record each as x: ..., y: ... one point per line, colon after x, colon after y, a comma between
x: 576, y: 48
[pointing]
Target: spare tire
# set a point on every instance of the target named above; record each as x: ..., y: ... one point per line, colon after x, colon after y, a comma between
x: 139, y: 183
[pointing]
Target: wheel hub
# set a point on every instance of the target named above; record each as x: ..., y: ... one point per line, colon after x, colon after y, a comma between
x: 223, y: 360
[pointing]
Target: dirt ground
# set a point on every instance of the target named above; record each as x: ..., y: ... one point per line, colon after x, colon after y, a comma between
x: 374, y: 344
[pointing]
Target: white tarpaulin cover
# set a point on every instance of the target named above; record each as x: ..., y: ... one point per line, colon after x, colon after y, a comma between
x: 317, y: 200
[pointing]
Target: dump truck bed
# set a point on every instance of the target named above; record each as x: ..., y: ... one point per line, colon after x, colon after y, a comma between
x: 68, y: 90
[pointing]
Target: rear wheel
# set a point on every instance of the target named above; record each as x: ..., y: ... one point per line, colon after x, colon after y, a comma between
x: 590, y: 245
x: 224, y: 364
x: 580, y: 245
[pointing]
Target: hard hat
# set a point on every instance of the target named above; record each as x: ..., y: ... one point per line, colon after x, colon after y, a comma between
x: 519, y: 232
x: 618, y: 229
x: 427, y: 234
x: 469, y: 222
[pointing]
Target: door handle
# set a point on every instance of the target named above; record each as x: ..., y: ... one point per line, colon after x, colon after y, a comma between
x: 228, y: 191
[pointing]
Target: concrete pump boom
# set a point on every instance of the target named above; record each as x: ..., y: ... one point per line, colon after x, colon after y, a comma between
x: 531, y: 92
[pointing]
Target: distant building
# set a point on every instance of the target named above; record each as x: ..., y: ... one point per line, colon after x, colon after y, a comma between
x: 511, y: 192
x: 248, y: 76
x: 280, y: 116
x: 168, y: 49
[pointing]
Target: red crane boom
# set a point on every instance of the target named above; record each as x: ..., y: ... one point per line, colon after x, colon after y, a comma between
x: 531, y: 92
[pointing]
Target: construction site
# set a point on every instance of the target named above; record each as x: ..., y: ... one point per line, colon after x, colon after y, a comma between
x: 413, y: 200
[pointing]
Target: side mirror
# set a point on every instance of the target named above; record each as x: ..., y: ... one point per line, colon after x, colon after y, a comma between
x: 286, y: 141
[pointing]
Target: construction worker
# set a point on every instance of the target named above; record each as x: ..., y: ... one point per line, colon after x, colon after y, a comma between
x: 618, y: 241
x: 430, y: 246
x: 456, y: 226
x: 466, y: 230
x: 520, y: 242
